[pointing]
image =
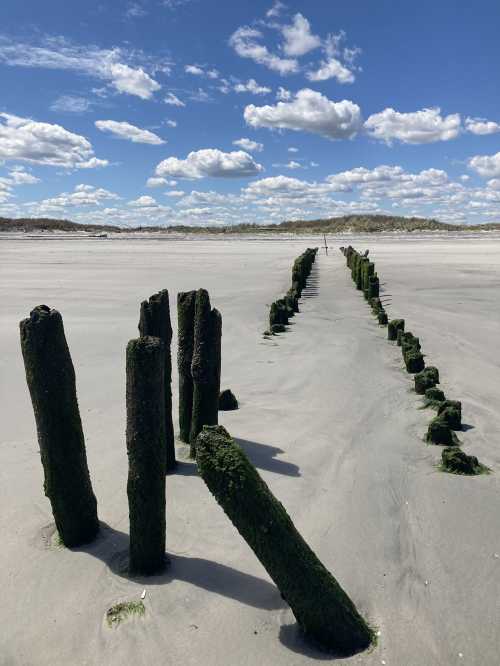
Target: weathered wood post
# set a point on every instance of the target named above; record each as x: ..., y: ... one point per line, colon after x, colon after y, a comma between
x: 154, y: 321
x: 51, y: 382
x: 323, y: 610
x: 146, y: 452
x: 185, y: 314
x: 206, y: 366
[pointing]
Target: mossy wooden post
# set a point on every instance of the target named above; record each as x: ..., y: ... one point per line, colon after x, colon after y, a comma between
x: 394, y: 326
x: 323, y: 610
x: 205, y: 367
x: 146, y: 452
x: 155, y: 321
x: 51, y: 382
x: 185, y: 316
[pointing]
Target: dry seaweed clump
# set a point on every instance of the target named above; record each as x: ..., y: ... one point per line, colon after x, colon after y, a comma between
x: 120, y: 612
x: 455, y: 461
x: 323, y: 610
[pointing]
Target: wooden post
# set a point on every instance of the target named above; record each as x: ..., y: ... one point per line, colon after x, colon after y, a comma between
x: 51, y: 382
x: 146, y: 451
x: 206, y: 366
x: 155, y: 321
x: 185, y: 313
x: 323, y: 610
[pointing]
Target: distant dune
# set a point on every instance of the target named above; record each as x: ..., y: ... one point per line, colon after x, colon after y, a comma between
x: 348, y: 223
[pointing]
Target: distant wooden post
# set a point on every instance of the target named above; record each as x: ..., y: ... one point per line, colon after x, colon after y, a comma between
x: 326, y: 246
x: 51, y: 382
x: 155, y: 321
x: 146, y: 451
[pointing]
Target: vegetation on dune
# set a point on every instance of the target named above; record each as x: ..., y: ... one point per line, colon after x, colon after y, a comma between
x: 332, y: 225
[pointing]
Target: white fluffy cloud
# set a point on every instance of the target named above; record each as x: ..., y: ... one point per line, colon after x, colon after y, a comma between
x: 331, y: 69
x: 481, y: 126
x: 210, y: 163
x: 143, y: 202
x: 310, y: 111
x: 130, y: 132
x: 245, y: 41
x: 173, y: 100
x: 424, y: 126
x: 104, y: 64
x: 132, y: 81
x: 299, y: 39
x: 487, y: 166
x: 83, y: 195
x: 194, y: 69
x: 251, y: 86
x: 248, y: 144
x: 43, y: 143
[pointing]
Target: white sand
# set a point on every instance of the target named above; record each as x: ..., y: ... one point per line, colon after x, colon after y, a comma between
x: 326, y: 414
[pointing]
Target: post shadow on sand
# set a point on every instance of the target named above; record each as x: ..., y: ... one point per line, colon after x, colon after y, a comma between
x: 111, y: 547
x: 262, y: 456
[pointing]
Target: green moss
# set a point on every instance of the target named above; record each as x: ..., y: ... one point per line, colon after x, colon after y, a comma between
x: 120, y: 612
x: 455, y: 461
x: 323, y: 610
x: 433, y: 398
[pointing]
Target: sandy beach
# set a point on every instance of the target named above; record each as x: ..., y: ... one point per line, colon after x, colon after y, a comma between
x: 327, y: 414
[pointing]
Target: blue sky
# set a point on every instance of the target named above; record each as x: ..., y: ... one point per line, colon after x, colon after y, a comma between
x: 202, y: 112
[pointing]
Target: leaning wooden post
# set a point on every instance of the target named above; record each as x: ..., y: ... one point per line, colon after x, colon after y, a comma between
x: 155, y: 321
x: 206, y: 366
x: 51, y: 382
x: 323, y: 610
x: 146, y: 452
x: 185, y: 314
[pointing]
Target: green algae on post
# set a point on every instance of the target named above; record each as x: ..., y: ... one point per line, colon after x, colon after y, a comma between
x: 439, y: 432
x: 393, y: 327
x: 323, y: 610
x: 51, y: 381
x: 147, y: 454
x: 455, y: 461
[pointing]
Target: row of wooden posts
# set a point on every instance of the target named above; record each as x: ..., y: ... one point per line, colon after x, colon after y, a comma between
x: 324, y: 612
x: 441, y: 429
x: 285, y: 308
